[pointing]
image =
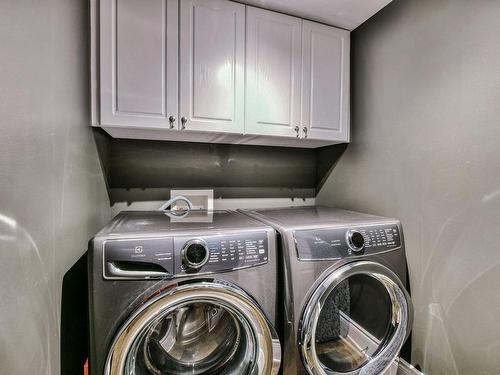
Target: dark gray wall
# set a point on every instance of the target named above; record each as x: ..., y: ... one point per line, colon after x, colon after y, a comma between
x: 52, y: 191
x: 426, y: 149
x: 142, y: 171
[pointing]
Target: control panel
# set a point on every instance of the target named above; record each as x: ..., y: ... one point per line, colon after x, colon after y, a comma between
x: 222, y: 252
x: 337, y: 243
x: 167, y: 257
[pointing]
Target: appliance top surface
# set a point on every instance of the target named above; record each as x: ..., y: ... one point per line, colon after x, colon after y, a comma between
x: 315, y: 216
x: 147, y: 222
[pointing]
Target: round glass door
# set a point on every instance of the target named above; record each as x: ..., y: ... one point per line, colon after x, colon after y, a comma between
x: 356, y: 321
x: 202, y: 328
x: 196, y: 338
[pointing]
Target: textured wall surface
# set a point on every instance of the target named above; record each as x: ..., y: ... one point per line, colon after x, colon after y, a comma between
x: 52, y: 191
x: 426, y: 149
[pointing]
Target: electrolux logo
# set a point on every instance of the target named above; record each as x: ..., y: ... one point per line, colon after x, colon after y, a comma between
x: 138, y: 252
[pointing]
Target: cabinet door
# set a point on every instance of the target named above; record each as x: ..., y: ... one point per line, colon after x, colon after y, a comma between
x: 325, y: 95
x: 138, y: 62
x: 272, y: 73
x: 212, y: 50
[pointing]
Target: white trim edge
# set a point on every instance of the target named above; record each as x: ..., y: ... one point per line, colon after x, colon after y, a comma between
x: 406, y: 369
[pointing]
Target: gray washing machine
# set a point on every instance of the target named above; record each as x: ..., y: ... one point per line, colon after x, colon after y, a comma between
x: 346, y: 308
x: 191, y: 295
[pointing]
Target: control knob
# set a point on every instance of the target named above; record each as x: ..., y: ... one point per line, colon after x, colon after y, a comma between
x: 195, y: 254
x: 355, y: 241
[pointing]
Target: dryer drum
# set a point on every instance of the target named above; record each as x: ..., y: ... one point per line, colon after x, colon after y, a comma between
x: 356, y: 321
x: 198, y: 328
x: 188, y: 340
x: 330, y: 320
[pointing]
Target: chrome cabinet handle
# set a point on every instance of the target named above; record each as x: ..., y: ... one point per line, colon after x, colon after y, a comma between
x: 304, y: 130
x: 171, y: 120
x: 297, y: 130
x: 183, y: 122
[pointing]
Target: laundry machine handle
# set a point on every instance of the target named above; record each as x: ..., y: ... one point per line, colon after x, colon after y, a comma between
x: 115, y: 270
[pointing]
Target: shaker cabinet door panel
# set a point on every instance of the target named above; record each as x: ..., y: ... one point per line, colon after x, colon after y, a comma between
x: 212, y: 50
x: 325, y: 95
x: 272, y: 73
x: 138, y: 62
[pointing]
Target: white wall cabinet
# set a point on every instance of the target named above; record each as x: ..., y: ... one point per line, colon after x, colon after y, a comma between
x: 272, y: 73
x: 212, y: 61
x: 218, y: 71
x: 325, y: 82
x: 138, y: 63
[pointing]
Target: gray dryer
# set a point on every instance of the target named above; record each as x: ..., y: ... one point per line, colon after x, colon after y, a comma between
x: 345, y: 304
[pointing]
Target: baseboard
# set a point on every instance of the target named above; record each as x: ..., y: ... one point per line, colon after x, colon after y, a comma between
x: 405, y: 368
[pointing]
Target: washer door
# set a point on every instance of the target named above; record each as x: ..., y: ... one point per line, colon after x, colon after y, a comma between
x: 200, y: 328
x: 356, y: 321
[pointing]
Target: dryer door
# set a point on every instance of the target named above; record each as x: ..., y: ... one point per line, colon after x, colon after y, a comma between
x: 356, y: 321
x: 199, y: 328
